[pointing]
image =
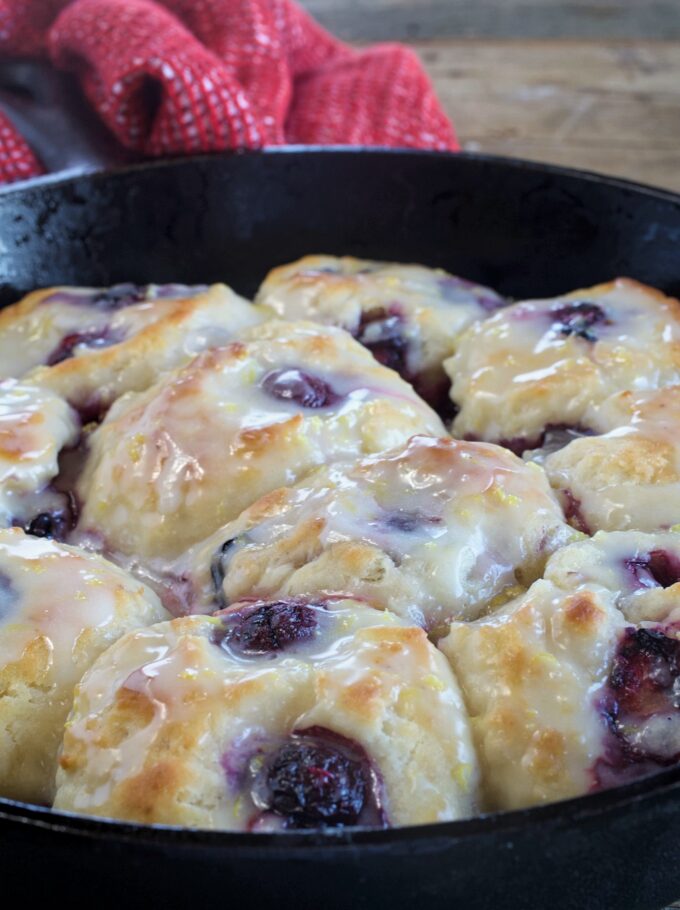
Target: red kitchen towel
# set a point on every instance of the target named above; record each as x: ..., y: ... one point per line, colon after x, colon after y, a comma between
x: 173, y: 77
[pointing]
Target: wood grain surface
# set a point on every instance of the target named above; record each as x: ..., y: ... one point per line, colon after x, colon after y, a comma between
x: 379, y: 20
x: 612, y: 107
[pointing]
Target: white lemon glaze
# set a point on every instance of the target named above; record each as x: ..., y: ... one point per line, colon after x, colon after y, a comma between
x: 170, y: 465
x: 518, y: 372
x: 196, y: 716
x: 432, y: 530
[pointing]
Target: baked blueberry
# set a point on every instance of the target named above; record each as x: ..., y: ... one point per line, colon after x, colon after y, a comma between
x: 299, y: 387
x: 57, y: 523
x: 579, y: 318
x: 91, y: 339
x: 317, y: 778
x: 269, y: 627
x: 658, y: 569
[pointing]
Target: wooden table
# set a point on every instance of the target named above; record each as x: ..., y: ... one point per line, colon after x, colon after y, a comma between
x: 612, y: 106
x: 589, y: 83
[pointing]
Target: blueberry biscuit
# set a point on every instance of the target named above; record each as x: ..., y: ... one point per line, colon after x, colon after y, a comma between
x: 408, y: 316
x: 59, y: 609
x: 299, y: 713
x: 92, y: 344
x: 170, y: 465
x: 433, y: 530
x: 573, y: 686
x: 541, y: 364
x: 629, y: 476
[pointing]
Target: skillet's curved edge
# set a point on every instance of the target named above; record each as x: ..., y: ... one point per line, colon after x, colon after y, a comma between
x: 68, y: 175
x: 501, y: 222
x: 569, y: 812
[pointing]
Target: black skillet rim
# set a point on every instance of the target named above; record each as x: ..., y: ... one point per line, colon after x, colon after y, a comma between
x: 565, y: 813
x: 63, y: 178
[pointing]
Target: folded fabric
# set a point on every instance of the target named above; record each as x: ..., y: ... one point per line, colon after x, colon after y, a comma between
x: 175, y: 77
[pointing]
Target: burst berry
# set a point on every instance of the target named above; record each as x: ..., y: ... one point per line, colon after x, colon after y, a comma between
x: 93, y: 338
x: 658, y: 569
x: 579, y: 319
x: 263, y: 628
x: 300, y: 388
x: 119, y: 296
x: 218, y: 570
x: 56, y: 523
x: 8, y: 596
x: 380, y: 330
x: 408, y: 522
x: 317, y: 778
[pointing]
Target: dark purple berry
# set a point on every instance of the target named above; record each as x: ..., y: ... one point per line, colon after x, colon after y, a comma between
x: 641, y: 707
x: 380, y: 330
x: 119, y: 296
x: 644, y: 672
x: 301, y: 388
x: 658, y: 569
x: 123, y: 295
x: 218, y: 570
x: 265, y: 628
x: 459, y: 290
x: 516, y: 444
x: 92, y: 338
x: 317, y: 778
x: 555, y: 436
x: 578, y: 319
x: 57, y: 523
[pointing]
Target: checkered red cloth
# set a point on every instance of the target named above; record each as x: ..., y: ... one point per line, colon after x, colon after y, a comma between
x: 181, y: 76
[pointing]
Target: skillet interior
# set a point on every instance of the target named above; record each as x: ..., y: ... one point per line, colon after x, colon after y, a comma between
x: 526, y: 229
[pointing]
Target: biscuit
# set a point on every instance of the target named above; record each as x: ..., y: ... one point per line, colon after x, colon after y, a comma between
x: 432, y: 530
x: 629, y: 476
x: 273, y: 715
x: 59, y: 609
x: 542, y: 364
x: 168, y: 466
x: 408, y: 316
x: 36, y: 425
x: 572, y: 687
x: 90, y: 345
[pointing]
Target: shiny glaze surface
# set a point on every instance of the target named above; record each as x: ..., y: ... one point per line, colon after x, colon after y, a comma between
x: 170, y: 465
x: 35, y: 425
x: 628, y: 477
x: 59, y: 609
x: 363, y: 674
x: 432, y: 530
x: 409, y: 316
x: 538, y: 363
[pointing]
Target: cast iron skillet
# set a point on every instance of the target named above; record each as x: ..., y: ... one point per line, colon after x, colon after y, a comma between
x: 525, y: 229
